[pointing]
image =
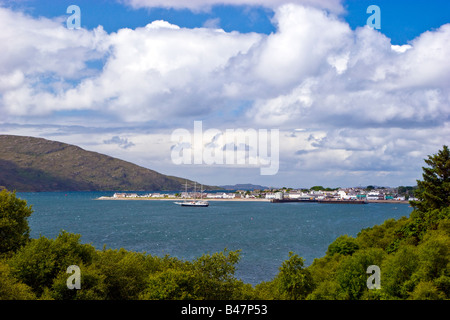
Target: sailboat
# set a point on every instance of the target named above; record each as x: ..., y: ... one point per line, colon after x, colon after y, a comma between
x: 194, y: 202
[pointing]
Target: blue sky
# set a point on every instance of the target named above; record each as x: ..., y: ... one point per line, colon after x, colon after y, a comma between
x: 354, y: 106
x: 402, y: 20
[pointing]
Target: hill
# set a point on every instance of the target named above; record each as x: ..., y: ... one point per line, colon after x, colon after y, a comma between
x: 247, y: 186
x: 36, y: 164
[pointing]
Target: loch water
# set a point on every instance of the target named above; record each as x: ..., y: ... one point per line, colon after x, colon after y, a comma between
x: 264, y: 232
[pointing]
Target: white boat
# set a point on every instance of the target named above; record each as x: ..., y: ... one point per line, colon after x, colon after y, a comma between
x: 195, y: 202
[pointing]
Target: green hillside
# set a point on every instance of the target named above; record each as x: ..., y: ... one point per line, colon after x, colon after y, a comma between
x: 36, y: 164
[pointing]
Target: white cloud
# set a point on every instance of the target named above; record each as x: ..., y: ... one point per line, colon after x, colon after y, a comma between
x: 41, y: 60
x: 201, y: 5
x: 363, y: 102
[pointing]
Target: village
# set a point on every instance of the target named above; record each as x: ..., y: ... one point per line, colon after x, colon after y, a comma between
x: 370, y: 193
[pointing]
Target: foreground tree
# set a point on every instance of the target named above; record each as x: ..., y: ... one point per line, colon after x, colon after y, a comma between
x: 433, y: 205
x: 11, y: 288
x: 294, y: 281
x: 434, y: 190
x: 14, y: 229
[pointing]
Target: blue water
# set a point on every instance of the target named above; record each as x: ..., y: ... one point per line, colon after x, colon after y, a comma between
x: 265, y: 232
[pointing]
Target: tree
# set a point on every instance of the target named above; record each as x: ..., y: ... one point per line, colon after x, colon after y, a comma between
x: 433, y: 205
x: 398, y: 268
x: 344, y: 245
x: 14, y: 229
x: 434, y: 191
x: 11, y: 288
x: 351, y: 274
x: 214, y: 275
x: 170, y: 284
x: 39, y: 262
x: 209, y: 277
x: 295, y: 282
x: 124, y: 273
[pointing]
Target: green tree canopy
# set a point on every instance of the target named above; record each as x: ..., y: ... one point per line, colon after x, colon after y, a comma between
x: 344, y: 245
x: 14, y: 229
x: 11, y: 288
x: 434, y: 190
x: 41, y: 260
x: 295, y: 282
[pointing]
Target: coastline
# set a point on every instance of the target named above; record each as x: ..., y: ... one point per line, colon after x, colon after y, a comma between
x: 233, y: 199
x: 188, y: 199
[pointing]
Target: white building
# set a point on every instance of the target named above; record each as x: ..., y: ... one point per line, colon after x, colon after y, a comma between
x: 214, y: 196
x: 228, y: 195
x: 119, y: 195
x: 279, y: 195
x: 298, y: 195
x: 373, y: 195
x: 342, y: 194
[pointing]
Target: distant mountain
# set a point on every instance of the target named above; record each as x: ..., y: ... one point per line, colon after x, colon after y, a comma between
x: 247, y: 186
x: 36, y: 164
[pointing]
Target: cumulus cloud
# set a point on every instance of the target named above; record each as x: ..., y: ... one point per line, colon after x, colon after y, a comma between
x: 363, y: 102
x: 201, y: 5
x: 40, y: 60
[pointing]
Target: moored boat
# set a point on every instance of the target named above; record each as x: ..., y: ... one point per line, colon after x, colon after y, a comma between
x: 195, y: 202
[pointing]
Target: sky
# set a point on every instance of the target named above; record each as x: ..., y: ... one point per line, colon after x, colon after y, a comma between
x: 349, y: 104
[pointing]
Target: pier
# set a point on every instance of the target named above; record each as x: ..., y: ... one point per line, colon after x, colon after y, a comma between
x: 331, y: 201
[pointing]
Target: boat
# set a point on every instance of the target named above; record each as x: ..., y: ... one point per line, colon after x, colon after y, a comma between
x: 195, y: 202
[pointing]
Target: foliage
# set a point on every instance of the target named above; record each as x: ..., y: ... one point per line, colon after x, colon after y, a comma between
x: 434, y: 190
x: 41, y: 260
x: 294, y: 281
x: 344, y: 245
x: 351, y: 274
x: 11, y: 288
x: 14, y: 229
x: 209, y: 277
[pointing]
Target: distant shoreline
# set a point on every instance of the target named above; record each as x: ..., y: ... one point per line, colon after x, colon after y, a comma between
x: 189, y: 199
x: 233, y: 199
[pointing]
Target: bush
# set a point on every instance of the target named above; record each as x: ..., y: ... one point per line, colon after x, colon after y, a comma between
x: 397, y: 272
x: 344, y: 245
x: 14, y: 229
x: 294, y: 281
x: 39, y: 262
x: 351, y: 274
x: 11, y: 288
x: 125, y: 273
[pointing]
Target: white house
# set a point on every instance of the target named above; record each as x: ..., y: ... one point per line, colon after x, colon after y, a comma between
x: 279, y: 195
x: 119, y: 195
x: 228, y: 195
x: 342, y: 194
x: 373, y: 195
x: 298, y: 195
